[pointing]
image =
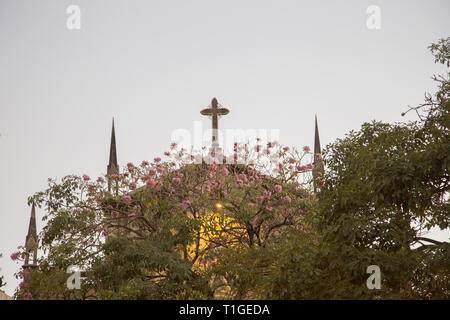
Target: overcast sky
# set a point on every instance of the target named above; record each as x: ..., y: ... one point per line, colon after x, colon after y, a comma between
x: 154, y: 65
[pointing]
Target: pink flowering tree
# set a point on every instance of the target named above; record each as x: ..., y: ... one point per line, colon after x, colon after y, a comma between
x: 171, y: 228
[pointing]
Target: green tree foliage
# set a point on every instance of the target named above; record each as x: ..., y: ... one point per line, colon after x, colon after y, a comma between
x: 385, y: 186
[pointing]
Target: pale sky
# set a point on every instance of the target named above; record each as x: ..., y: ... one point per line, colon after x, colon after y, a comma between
x: 153, y: 65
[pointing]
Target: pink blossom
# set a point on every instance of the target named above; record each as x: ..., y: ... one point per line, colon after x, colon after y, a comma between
x: 306, y: 149
x: 100, y: 180
x: 151, y: 182
x: 27, y: 296
x: 213, y: 166
x: 179, y: 173
x: 144, y: 163
x: 126, y: 199
x: 132, y: 186
x: 260, y: 199
x: 167, y: 153
x: 173, y: 145
x: 267, y: 194
x: 225, y: 171
x: 286, y: 149
x: 318, y: 156
x: 15, y: 256
x: 162, y: 171
x: 184, y: 204
x: 243, y: 177
x: 157, y: 159
x: 278, y: 188
x: 115, y: 214
x: 152, y: 172
x: 176, y: 181
x: 86, y: 177
x: 103, y: 228
x: 130, y: 166
x: 22, y: 285
x: 287, y: 199
x: 269, y: 208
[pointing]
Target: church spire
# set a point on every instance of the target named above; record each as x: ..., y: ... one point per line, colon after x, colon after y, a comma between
x: 318, y: 162
x: 113, y: 167
x: 317, y: 140
x: 31, y: 241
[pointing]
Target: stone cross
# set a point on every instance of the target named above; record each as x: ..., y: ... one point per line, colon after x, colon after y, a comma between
x: 214, y: 111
